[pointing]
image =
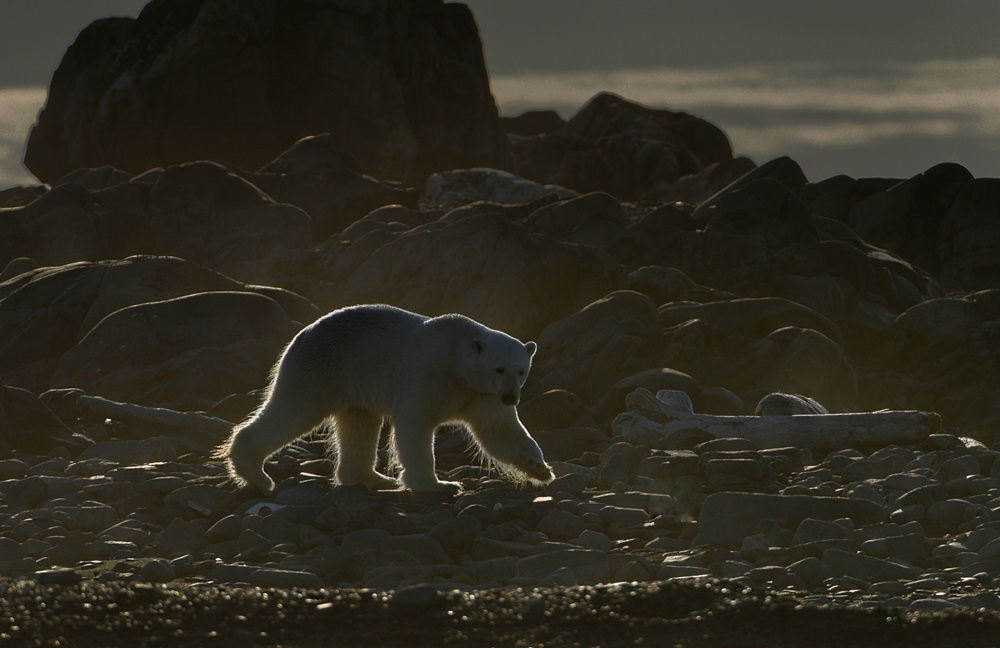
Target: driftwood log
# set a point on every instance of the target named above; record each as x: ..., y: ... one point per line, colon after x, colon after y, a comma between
x: 651, y: 418
x: 206, y: 430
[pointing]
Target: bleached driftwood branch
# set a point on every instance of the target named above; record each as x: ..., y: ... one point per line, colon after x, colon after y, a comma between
x: 650, y: 418
x: 189, y: 423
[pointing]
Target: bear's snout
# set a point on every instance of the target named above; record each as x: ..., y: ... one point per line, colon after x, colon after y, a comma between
x: 509, y: 399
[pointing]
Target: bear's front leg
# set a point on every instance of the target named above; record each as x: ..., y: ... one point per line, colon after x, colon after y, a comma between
x: 414, y: 441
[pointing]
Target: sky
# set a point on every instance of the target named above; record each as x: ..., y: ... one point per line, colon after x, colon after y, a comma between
x: 861, y: 87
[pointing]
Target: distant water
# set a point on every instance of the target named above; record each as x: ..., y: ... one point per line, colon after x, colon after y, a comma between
x: 18, y: 109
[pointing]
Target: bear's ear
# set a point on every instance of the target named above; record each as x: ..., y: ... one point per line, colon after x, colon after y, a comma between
x: 531, y: 347
x: 478, y: 346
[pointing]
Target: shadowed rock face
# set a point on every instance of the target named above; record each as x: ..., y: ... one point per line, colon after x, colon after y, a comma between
x: 401, y: 86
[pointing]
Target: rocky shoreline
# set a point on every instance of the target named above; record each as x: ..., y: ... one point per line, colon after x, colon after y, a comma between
x: 142, y: 306
x: 901, y: 533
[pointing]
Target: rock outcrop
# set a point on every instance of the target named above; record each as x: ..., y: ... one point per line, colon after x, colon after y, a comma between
x: 402, y: 86
x: 732, y: 286
x: 618, y: 146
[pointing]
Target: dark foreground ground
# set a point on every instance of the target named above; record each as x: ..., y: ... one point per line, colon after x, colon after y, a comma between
x: 674, y: 614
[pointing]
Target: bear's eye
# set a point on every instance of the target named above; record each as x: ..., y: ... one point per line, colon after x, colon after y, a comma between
x: 521, y: 372
x: 499, y: 369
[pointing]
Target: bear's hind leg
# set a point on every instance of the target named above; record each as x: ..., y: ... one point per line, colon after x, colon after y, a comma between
x: 357, y: 447
x: 270, y: 429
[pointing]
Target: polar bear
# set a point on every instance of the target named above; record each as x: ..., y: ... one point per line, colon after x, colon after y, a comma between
x: 361, y: 364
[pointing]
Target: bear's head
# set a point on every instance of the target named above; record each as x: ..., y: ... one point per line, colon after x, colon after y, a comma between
x: 501, y: 366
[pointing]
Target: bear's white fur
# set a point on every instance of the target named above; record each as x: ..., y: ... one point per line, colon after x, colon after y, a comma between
x: 361, y: 364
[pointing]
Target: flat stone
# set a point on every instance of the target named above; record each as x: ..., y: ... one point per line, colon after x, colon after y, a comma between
x: 116, y: 549
x: 727, y: 518
x: 889, y: 588
x: 960, y: 466
x: 162, y: 485
x: 89, y: 517
x: 750, y: 469
x: 284, y: 578
x: 131, y: 452
x: 932, y: 605
x: 589, y: 539
x: 561, y: 525
x: 416, y: 598
x: 157, y: 571
x: 457, y: 532
x: 905, y: 482
x: 331, y: 519
x: 811, y: 530
x: 231, y: 573
x: 58, y: 577
x: 13, y: 469
x: 11, y: 549
x: 865, y: 568
x: 69, y: 552
x: 666, y: 572
x: 421, y: 546
x: 924, y: 495
x: 228, y: 528
x: 180, y: 537
x: 302, y: 495
x: 203, y: 498
x: 495, y: 569
x: 590, y: 567
x: 621, y: 518
x: 562, y: 577
x: 950, y: 513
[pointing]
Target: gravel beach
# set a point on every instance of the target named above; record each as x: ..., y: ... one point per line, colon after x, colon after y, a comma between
x: 690, y: 615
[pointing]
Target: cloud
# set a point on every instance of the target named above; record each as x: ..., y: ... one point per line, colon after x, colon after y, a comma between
x: 18, y: 109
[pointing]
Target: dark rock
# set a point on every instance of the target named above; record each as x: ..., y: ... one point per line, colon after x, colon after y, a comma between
x: 783, y: 170
x: 16, y: 267
x: 698, y: 187
x: 570, y: 443
x: 942, y: 356
x: 969, y: 237
x: 319, y: 178
x: 621, y: 148
x: 185, y: 353
x: 555, y: 409
x: 589, y: 351
x: 415, y: 598
x: 202, y: 212
x: 63, y: 576
x: 777, y: 404
x: 727, y: 518
x: 28, y: 425
x: 613, y: 401
x: 157, y: 571
x: 18, y: 196
x: 665, y: 285
x: 533, y: 122
x: 211, y: 80
x: 595, y: 219
x: 441, y: 268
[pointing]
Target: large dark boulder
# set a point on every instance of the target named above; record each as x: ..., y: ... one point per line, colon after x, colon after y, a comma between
x: 202, y: 212
x: 47, y: 311
x: 402, y: 86
x: 622, y: 148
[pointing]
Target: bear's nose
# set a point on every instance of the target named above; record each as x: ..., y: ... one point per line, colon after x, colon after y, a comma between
x: 509, y: 399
